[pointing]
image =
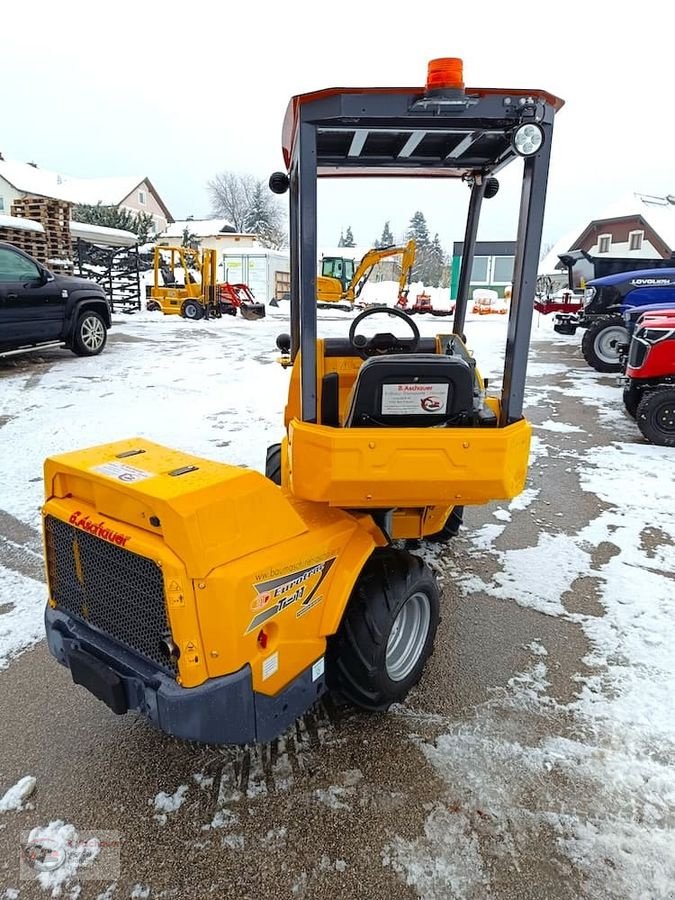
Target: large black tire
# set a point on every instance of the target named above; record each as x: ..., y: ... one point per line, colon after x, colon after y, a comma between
x: 273, y: 463
x: 656, y: 416
x: 90, y: 334
x: 192, y: 310
x: 377, y: 655
x: 601, y: 341
x: 631, y: 399
x: 451, y: 528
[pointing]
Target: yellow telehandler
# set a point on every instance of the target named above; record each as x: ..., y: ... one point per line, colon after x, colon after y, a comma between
x: 220, y: 603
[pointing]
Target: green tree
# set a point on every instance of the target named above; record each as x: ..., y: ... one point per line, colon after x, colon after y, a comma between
x: 190, y: 240
x: 264, y: 217
x: 348, y: 240
x: 387, y: 238
x: 141, y: 224
x: 434, y: 263
x: 418, y: 231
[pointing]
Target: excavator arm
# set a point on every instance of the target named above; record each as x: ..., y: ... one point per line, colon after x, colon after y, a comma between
x: 371, y: 259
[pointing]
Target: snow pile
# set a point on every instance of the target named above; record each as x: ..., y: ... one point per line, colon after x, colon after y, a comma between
x: 168, y: 803
x: 14, y: 797
x: 561, y: 427
x: 23, y: 623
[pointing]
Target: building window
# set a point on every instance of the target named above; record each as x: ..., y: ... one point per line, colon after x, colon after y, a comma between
x: 479, y: 270
x: 502, y: 269
x: 2, y: 204
x: 635, y: 240
x: 141, y: 198
x: 604, y: 243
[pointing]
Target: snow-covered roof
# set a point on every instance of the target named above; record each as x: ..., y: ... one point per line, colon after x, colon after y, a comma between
x: 201, y: 228
x: 99, y: 234
x: 658, y: 212
x: 108, y: 191
x: 234, y: 250
x: 21, y: 224
x: 550, y: 263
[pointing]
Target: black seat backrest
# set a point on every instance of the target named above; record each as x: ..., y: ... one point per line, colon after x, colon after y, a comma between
x: 412, y: 390
x: 168, y: 277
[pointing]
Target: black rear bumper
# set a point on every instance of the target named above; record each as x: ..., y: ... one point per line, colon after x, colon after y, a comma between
x: 223, y: 710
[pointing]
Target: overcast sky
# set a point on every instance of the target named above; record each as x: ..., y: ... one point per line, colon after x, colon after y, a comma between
x: 179, y: 93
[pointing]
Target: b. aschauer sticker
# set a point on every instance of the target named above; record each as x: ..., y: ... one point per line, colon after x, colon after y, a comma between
x: 273, y: 596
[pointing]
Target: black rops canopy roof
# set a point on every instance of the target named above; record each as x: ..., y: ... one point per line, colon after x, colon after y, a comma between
x: 403, y: 132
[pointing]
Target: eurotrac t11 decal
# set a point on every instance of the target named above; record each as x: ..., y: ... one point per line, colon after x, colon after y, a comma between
x: 300, y: 587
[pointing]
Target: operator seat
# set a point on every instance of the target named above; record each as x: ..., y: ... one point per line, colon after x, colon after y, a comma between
x: 412, y: 390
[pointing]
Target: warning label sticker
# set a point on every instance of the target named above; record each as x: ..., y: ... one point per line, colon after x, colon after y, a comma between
x: 122, y: 472
x: 318, y: 668
x: 270, y: 666
x: 414, y: 398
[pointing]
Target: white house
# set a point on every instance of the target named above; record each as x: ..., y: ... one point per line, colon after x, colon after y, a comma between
x: 134, y: 193
x: 212, y: 234
x: 638, y: 225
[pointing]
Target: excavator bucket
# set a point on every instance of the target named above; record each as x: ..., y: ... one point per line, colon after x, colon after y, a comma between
x: 252, y: 311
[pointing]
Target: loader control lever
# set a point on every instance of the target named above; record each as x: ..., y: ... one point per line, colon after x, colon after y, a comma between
x: 384, y: 341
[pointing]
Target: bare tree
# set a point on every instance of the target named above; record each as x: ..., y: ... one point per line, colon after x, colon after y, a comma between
x: 230, y: 195
x: 248, y: 204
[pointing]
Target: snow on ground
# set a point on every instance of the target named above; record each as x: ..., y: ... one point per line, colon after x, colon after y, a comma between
x: 603, y: 787
x: 22, y: 603
x: 210, y: 388
x: 168, y: 803
x: 16, y: 795
x: 606, y: 797
x: 562, y: 427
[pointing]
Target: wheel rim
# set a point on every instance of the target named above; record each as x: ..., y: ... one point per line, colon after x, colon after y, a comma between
x: 607, y: 343
x: 92, y: 333
x: 665, y: 417
x: 191, y: 311
x: 408, y: 636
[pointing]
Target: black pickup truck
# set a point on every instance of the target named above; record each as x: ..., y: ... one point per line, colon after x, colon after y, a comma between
x: 40, y: 310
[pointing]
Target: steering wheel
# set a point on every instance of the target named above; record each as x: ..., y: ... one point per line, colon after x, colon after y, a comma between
x: 383, y: 342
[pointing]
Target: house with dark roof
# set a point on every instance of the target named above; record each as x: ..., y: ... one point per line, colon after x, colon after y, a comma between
x: 639, y: 225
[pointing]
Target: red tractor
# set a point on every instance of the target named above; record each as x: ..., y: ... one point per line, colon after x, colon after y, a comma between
x: 649, y: 393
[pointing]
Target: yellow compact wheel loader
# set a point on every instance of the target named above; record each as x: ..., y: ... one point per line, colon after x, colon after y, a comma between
x: 221, y: 603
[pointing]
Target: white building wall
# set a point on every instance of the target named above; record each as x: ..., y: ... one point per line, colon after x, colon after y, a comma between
x: 622, y: 249
x: 7, y: 195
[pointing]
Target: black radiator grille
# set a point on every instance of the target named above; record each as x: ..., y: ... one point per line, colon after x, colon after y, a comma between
x: 637, y: 354
x: 109, y: 588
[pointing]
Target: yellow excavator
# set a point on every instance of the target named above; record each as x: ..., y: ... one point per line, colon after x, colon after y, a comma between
x: 334, y: 291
